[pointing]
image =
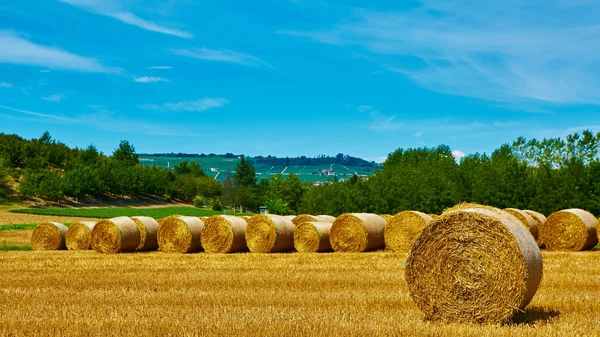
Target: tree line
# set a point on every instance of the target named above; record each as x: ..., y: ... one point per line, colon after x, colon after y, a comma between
x: 545, y: 175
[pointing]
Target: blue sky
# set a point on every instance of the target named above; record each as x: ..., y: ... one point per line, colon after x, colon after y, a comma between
x: 298, y: 77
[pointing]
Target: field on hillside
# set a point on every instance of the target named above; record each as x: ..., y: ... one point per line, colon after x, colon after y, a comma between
x: 156, y: 294
x: 111, y: 212
x: 305, y: 173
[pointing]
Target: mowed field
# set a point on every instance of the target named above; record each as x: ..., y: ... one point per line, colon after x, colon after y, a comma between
x: 337, y: 294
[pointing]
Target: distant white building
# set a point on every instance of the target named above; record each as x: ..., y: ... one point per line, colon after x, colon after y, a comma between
x: 318, y: 183
x: 214, y: 169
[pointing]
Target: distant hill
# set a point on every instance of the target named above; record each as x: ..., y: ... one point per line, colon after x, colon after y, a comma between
x: 309, y: 169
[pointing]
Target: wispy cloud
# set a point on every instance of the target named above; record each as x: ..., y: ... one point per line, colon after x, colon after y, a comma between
x: 45, y: 71
x: 16, y: 50
x: 379, y: 121
x: 114, y: 10
x: 458, y: 155
x: 160, y: 67
x: 193, y: 106
x: 223, y: 56
x: 5, y: 85
x: 501, y: 51
x: 38, y: 114
x: 54, y: 98
x: 419, y: 134
x: 150, y: 79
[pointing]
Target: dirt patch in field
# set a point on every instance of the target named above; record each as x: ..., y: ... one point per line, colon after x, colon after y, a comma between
x: 7, y: 218
x: 15, y: 238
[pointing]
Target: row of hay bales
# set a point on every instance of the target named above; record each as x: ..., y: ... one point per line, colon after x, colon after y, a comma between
x: 569, y: 230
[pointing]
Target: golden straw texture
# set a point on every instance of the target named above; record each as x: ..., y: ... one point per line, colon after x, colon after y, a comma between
x: 540, y: 220
x: 79, y: 236
x: 269, y: 233
x: 116, y: 235
x: 526, y: 219
x: 312, y: 237
x: 148, y: 233
x: 49, y: 236
x: 312, y: 218
x: 224, y: 234
x: 473, y: 265
x: 357, y: 232
x: 570, y: 230
x: 180, y: 234
x: 403, y: 229
x: 387, y: 218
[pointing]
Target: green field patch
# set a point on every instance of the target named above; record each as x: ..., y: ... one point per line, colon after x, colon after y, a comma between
x: 112, y: 212
x: 5, y: 247
x: 18, y: 227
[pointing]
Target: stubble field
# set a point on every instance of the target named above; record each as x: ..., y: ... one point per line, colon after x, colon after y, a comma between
x: 156, y: 294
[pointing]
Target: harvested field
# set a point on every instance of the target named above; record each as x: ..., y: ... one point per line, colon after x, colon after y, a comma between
x: 362, y: 294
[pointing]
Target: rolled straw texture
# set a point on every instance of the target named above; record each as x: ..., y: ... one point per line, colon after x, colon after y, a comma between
x: 312, y: 218
x: 269, y: 233
x: 224, y: 234
x: 526, y: 219
x: 570, y: 230
x: 386, y: 217
x: 403, y: 229
x: 357, y: 232
x: 540, y: 220
x: 180, y: 234
x: 474, y: 264
x: 116, y: 235
x: 49, y: 236
x: 148, y: 233
x: 79, y: 236
x: 312, y: 237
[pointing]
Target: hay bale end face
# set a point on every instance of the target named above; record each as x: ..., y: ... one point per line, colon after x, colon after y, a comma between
x: 570, y: 230
x: 312, y: 218
x: 148, y: 228
x: 312, y: 237
x: 473, y: 265
x: 180, y: 234
x: 49, y: 236
x: 268, y: 233
x: 387, y: 217
x: 403, y: 229
x: 224, y: 234
x: 540, y: 220
x: 116, y: 235
x: 79, y: 236
x: 526, y: 219
x: 357, y: 232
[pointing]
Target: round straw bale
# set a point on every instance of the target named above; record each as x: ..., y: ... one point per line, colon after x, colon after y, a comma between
x: 540, y: 220
x: 387, y: 218
x: 527, y: 220
x: 79, y: 236
x: 224, y: 234
x: 289, y: 217
x: 269, y: 233
x: 357, y: 232
x: 148, y: 233
x: 473, y: 265
x: 403, y: 229
x: 433, y: 216
x: 312, y: 218
x: 569, y: 230
x: 116, y: 235
x: 180, y: 234
x: 49, y: 236
x: 312, y: 237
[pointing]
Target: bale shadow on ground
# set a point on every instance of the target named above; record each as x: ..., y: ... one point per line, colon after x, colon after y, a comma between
x: 533, y: 316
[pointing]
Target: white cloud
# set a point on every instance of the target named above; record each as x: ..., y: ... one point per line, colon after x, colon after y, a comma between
x: 379, y: 121
x: 419, y: 134
x: 5, y: 85
x: 160, y: 67
x: 458, y: 155
x: 114, y: 10
x: 16, y: 50
x: 37, y: 114
x: 223, y: 56
x: 502, y: 51
x: 197, y: 105
x: 54, y: 98
x: 45, y: 71
x: 150, y: 79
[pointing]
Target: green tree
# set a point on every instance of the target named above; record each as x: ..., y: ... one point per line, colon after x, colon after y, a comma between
x: 277, y: 206
x: 292, y: 191
x: 245, y: 174
x: 125, y: 154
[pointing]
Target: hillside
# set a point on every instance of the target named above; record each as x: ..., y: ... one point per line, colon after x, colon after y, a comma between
x: 308, y: 169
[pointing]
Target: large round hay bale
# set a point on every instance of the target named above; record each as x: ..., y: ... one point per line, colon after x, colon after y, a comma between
x: 224, y: 234
x: 387, y: 218
x: 116, y: 235
x: 570, y: 230
x: 403, y: 229
x: 180, y: 234
x: 79, y: 236
x: 148, y: 233
x: 49, y: 236
x: 357, y: 232
x: 312, y: 218
x: 312, y: 237
x: 526, y: 219
x: 540, y: 220
x: 433, y: 216
x: 474, y: 264
x: 269, y: 233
